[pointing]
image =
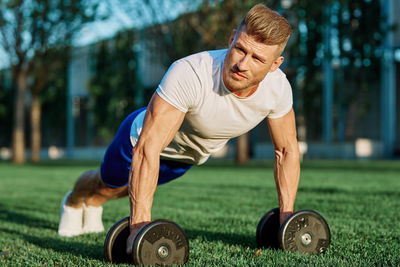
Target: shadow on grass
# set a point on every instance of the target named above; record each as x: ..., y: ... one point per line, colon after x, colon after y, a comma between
x: 76, y: 248
x: 23, y: 219
x: 227, y: 238
x: 59, y: 244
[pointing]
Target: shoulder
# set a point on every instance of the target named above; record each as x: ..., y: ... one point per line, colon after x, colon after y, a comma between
x: 276, y: 79
x: 276, y: 76
x: 187, y: 79
x: 280, y: 92
x: 276, y: 84
x: 197, y: 69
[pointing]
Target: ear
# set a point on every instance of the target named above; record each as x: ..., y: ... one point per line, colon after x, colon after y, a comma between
x: 276, y: 64
x: 233, y: 34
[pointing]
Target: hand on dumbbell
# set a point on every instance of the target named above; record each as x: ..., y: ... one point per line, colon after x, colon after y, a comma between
x: 304, y: 231
x: 159, y: 242
x: 134, y: 229
x: 283, y: 215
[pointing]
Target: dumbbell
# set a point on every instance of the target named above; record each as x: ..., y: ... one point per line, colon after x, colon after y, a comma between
x: 304, y: 231
x: 161, y: 242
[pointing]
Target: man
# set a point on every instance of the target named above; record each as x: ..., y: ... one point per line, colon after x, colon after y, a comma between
x: 203, y: 100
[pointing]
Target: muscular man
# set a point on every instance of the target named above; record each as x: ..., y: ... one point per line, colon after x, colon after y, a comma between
x: 203, y: 100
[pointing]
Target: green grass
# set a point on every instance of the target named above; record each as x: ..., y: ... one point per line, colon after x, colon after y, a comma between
x: 219, y: 206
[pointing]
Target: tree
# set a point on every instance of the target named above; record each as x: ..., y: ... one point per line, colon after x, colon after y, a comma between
x: 112, y: 86
x: 354, y: 54
x: 30, y: 31
x: 53, y: 99
x: 6, y: 98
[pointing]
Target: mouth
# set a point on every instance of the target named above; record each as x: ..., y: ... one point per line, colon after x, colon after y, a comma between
x: 237, y: 75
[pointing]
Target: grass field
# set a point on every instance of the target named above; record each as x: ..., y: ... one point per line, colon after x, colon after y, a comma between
x: 219, y: 206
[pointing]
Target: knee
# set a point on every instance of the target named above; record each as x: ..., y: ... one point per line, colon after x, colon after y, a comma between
x: 111, y: 192
x: 106, y: 191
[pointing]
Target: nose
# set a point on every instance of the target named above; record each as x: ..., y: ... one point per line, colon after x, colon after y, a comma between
x: 242, y: 65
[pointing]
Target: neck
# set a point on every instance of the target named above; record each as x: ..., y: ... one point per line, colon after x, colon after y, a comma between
x: 246, y: 92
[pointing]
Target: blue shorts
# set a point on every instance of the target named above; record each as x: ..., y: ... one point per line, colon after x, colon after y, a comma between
x: 117, y: 160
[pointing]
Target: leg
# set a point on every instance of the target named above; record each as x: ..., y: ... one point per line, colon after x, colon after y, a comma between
x: 85, y: 203
x: 94, y: 188
x: 90, y: 190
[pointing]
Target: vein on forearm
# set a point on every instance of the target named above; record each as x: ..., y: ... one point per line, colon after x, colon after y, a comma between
x: 287, y: 172
x: 141, y: 191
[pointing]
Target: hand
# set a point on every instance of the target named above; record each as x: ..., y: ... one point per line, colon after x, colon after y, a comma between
x: 283, y: 215
x: 134, y: 229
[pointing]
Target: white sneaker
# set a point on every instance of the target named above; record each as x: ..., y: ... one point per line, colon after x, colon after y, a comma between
x: 92, y: 222
x: 71, y: 219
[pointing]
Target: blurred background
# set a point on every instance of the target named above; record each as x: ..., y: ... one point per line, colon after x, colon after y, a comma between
x: 70, y: 71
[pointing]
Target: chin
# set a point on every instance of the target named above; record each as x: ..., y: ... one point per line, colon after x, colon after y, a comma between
x: 235, y: 85
x: 238, y: 85
x: 231, y: 85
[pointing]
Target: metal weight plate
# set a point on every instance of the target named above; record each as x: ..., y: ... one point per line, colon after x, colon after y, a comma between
x: 161, y: 242
x: 267, y: 230
x: 305, y: 231
x: 115, y: 242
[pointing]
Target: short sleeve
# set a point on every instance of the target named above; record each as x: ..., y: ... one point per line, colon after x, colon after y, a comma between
x: 284, y: 102
x: 180, y: 86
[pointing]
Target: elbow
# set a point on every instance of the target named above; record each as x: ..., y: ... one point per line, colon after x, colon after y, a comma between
x: 284, y: 152
x: 145, y: 150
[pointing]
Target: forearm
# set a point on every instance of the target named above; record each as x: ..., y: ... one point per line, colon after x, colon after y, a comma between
x: 287, y: 175
x: 160, y: 125
x: 142, y: 185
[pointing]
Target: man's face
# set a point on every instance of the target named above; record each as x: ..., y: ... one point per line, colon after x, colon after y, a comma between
x: 247, y: 62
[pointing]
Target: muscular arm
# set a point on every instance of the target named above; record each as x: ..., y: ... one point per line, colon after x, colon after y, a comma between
x: 287, y: 161
x: 161, y: 123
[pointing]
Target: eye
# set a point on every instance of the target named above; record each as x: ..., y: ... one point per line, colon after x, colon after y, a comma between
x: 239, y: 49
x: 258, y: 59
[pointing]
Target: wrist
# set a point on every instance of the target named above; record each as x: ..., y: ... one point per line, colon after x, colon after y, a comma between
x: 139, y: 217
x: 141, y: 211
x: 137, y: 226
x: 284, y: 215
x: 286, y: 206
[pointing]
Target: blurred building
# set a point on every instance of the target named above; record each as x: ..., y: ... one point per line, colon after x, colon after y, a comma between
x: 80, y: 129
x: 374, y: 135
x: 390, y: 80
x: 377, y: 135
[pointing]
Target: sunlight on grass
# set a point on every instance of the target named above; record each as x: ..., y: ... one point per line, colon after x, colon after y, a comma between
x: 219, y: 206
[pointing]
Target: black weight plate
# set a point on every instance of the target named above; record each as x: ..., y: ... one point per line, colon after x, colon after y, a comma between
x: 115, y: 243
x: 161, y: 242
x: 267, y: 230
x: 306, y: 232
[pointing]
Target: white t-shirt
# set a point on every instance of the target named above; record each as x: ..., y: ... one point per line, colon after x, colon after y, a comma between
x: 194, y: 85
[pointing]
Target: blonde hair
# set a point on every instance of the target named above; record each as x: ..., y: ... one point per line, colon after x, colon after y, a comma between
x: 266, y: 26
